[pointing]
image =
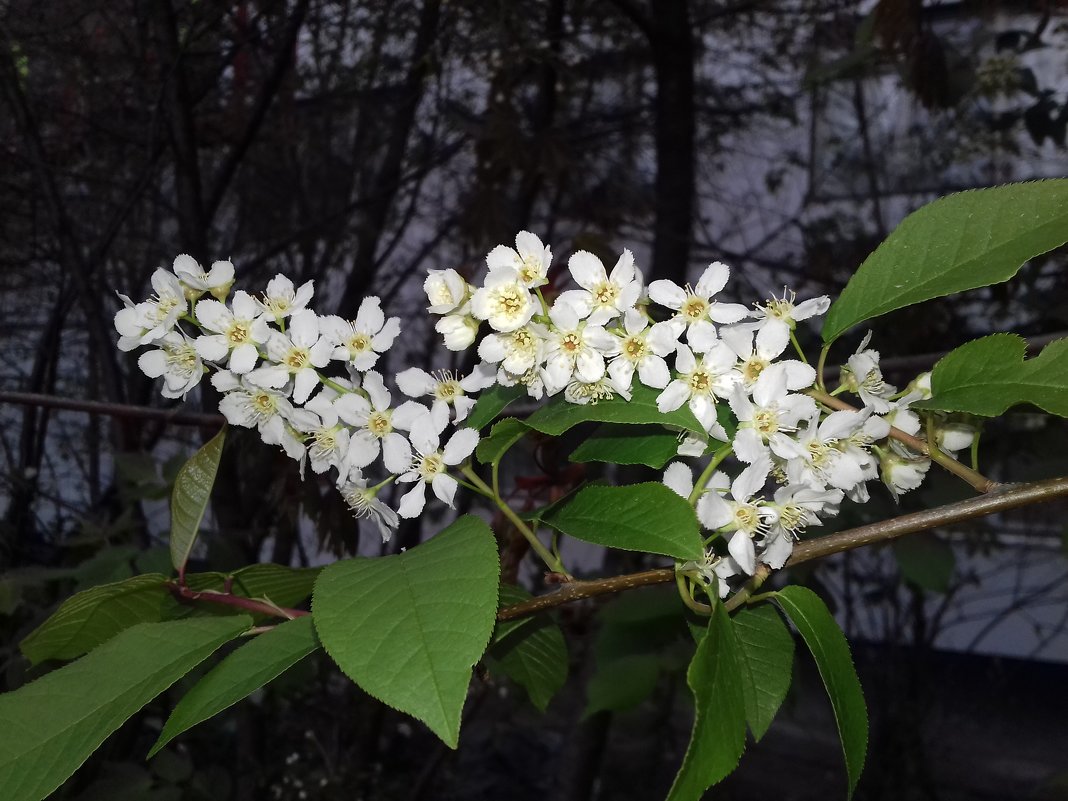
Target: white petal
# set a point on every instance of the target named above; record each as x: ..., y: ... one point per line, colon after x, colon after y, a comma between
x: 741, y: 548
x: 589, y: 365
x: 212, y: 348
x: 414, y: 500
x: 460, y: 446
x: 213, y: 315
x: 701, y: 336
x: 306, y: 382
x: 370, y: 317
x: 416, y: 382
x: 673, y: 397
x: 727, y: 312
x: 444, y: 487
x: 667, y: 293
x: 653, y: 372
x: 353, y: 409
x: 376, y: 388
x: 153, y: 363
x: 772, y: 338
x: 304, y: 328
x: 243, y: 358
x: 587, y: 270
x: 396, y: 452
x: 713, y: 279
x: 679, y: 478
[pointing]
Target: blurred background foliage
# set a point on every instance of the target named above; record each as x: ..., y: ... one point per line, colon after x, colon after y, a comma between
x: 359, y: 143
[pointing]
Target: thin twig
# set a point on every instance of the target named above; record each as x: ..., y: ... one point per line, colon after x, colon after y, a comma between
x: 1002, y: 499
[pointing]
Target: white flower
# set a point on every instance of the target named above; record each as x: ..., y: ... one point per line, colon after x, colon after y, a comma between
x: 518, y: 351
x: 282, y: 299
x: 446, y: 290
x: 361, y: 341
x: 902, y: 473
x: 176, y: 361
x: 711, y: 569
x: 574, y: 349
x: 504, y: 301
x: 329, y: 439
x: 643, y: 349
x: 771, y: 414
x: 862, y: 376
x: 756, y: 352
x: 458, y: 330
x: 269, y: 411
x: 583, y: 392
x: 530, y: 260
x: 363, y: 501
x: 700, y: 383
x: 446, y: 388
x: 694, y: 307
x: 376, y: 425
x: 818, y: 454
x: 780, y: 316
x: 741, y: 514
x: 217, y: 280
x: 430, y: 463
x: 603, y: 296
x: 953, y: 436
x: 532, y: 379
x: 237, y: 332
x: 795, y: 507
x: 297, y: 354
x: 148, y: 321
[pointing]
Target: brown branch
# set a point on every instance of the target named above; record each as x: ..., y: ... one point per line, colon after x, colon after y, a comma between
x: 112, y: 409
x: 1002, y: 499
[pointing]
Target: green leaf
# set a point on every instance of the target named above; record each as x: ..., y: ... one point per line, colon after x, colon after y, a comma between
x: 409, y: 628
x: 192, y: 490
x: 616, y: 443
x: 718, y: 737
x: 831, y: 651
x: 503, y: 436
x: 49, y: 727
x: 557, y: 416
x: 491, y: 403
x: 530, y: 651
x: 251, y: 666
x: 645, y: 517
x: 989, y: 375
x: 925, y: 561
x: 765, y: 660
x: 963, y: 241
x: 92, y: 617
x: 622, y: 683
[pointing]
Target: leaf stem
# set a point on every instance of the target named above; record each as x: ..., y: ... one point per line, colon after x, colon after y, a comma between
x: 686, y: 593
x: 551, y: 561
x: 820, y: 365
x: 706, y: 474
x: 186, y: 595
x: 797, y: 346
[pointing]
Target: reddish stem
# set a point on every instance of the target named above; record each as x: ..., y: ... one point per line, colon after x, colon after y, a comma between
x: 187, y: 595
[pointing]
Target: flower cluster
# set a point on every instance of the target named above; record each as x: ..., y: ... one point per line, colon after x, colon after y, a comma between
x: 705, y: 353
x: 728, y: 364
x: 269, y: 355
